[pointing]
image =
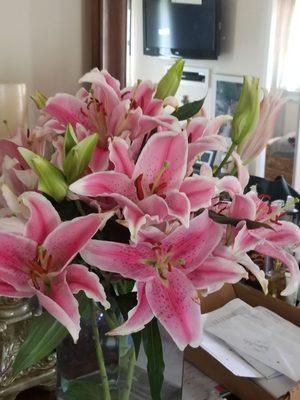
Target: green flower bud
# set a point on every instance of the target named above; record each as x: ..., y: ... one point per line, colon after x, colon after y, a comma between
x: 169, y: 83
x: 78, y: 157
x: 40, y: 99
x: 51, y: 179
x: 247, y: 111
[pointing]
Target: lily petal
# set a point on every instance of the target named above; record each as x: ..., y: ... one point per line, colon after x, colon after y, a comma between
x: 271, y: 250
x: 179, y: 206
x: 194, y: 244
x: 70, y: 237
x: 230, y: 184
x: 43, y: 216
x: 119, y: 155
x: 80, y: 278
x: 285, y: 234
x: 199, y: 190
x: 243, y: 207
x: 120, y: 258
x: 246, y: 261
x: 138, y: 317
x: 174, y: 304
x: 163, y: 156
x: 62, y: 305
x: 216, y: 270
x: 16, y: 253
x: 105, y: 184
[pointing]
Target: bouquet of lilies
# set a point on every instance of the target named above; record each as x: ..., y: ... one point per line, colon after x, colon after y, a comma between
x: 121, y: 160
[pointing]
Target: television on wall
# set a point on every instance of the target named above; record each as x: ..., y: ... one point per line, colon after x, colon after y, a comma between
x: 183, y: 28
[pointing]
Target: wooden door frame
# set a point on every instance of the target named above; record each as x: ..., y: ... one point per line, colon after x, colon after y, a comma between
x: 109, y: 36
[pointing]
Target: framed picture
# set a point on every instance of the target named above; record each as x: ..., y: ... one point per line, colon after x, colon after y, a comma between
x: 226, y: 90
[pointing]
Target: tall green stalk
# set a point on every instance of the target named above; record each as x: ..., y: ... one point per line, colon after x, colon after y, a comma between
x: 225, y: 159
x: 99, y: 354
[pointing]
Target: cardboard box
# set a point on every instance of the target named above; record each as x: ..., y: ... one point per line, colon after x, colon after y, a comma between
x: 244, y: 388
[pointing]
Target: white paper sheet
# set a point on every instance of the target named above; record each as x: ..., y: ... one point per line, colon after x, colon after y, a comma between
x: 260, y: 334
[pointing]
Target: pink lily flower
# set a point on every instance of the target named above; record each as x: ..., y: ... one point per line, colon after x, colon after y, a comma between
x: 270, y: 109
x: 269, y: 242
x: 148, y: 190
x: 167, y: 274
x: 203, y: 135
x: 108, y: 111
x: 37, y: 263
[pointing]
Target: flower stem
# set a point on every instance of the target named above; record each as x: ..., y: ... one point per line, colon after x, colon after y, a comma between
x: 99, y: 354
x: 225, y: 159
x: 129, y: 378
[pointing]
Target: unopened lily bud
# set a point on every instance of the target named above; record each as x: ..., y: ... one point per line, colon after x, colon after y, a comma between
x: 51, y: 179
x: 39, y: 99
x: 247, y: 111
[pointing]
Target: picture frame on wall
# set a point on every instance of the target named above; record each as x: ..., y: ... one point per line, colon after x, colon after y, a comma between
x: 226, y: 90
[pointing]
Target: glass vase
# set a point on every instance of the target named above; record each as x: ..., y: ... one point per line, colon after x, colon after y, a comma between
x: 78, y: 369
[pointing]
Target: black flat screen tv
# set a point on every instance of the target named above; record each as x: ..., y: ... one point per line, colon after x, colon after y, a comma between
x: 189, y: 29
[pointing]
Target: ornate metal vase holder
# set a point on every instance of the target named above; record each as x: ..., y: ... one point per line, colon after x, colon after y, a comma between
x: 15, y: 315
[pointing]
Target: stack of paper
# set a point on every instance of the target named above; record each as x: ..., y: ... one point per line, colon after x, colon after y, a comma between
x: 254, y: 343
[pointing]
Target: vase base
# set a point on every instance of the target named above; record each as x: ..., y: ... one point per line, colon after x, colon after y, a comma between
x: 140, y: 388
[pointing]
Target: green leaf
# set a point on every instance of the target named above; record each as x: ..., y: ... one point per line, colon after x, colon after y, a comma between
x: 223, y: 219
x: 79, y: 157
x: 247, y: 111
x: 169, y: 83
x: 51, y: 179
x: 188, y: 110
x: 154, y: 352
x: 82, y: 390
x: 45, y: 334
x: 70, y: 139
x: 39, y: 99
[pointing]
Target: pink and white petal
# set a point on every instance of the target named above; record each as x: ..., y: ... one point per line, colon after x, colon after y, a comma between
x: 230, y: 184
x: 196, y: 128
x: 269, y: 249
x: 138, y: 317
x: 70, y: 237
x: 62, y: 305
x: 165, y: 152
x: 100, y: 160
x: 129, y: 261
x: 244, y: 240
x: 154, y: 206
x: 80, y: 278
x: 120, y: 157
x: 12, y: 200
x: 43, y: 217
x: 259, y: 274
x: 178, y: 206
x: 199, y: 190
x: 216, y: 270
x: 243, y: 173
x: 193, y: 244
x: 134, y: 217
x: 175, y: 304
x: 8, y: 290
x: 215, y: 124
x: 67, y: 109
x: 284, y: 234
x: 12, y: 225
x: 151, y: 234
x: 106, y: 184
x: 16, y: 252
x: 242, y: 207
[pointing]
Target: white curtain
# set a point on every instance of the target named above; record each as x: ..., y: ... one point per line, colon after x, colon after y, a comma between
x: 286, y: 45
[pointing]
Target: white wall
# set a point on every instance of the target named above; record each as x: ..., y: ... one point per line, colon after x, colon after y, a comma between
x: 244, y: 44
x: 44, y: 43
